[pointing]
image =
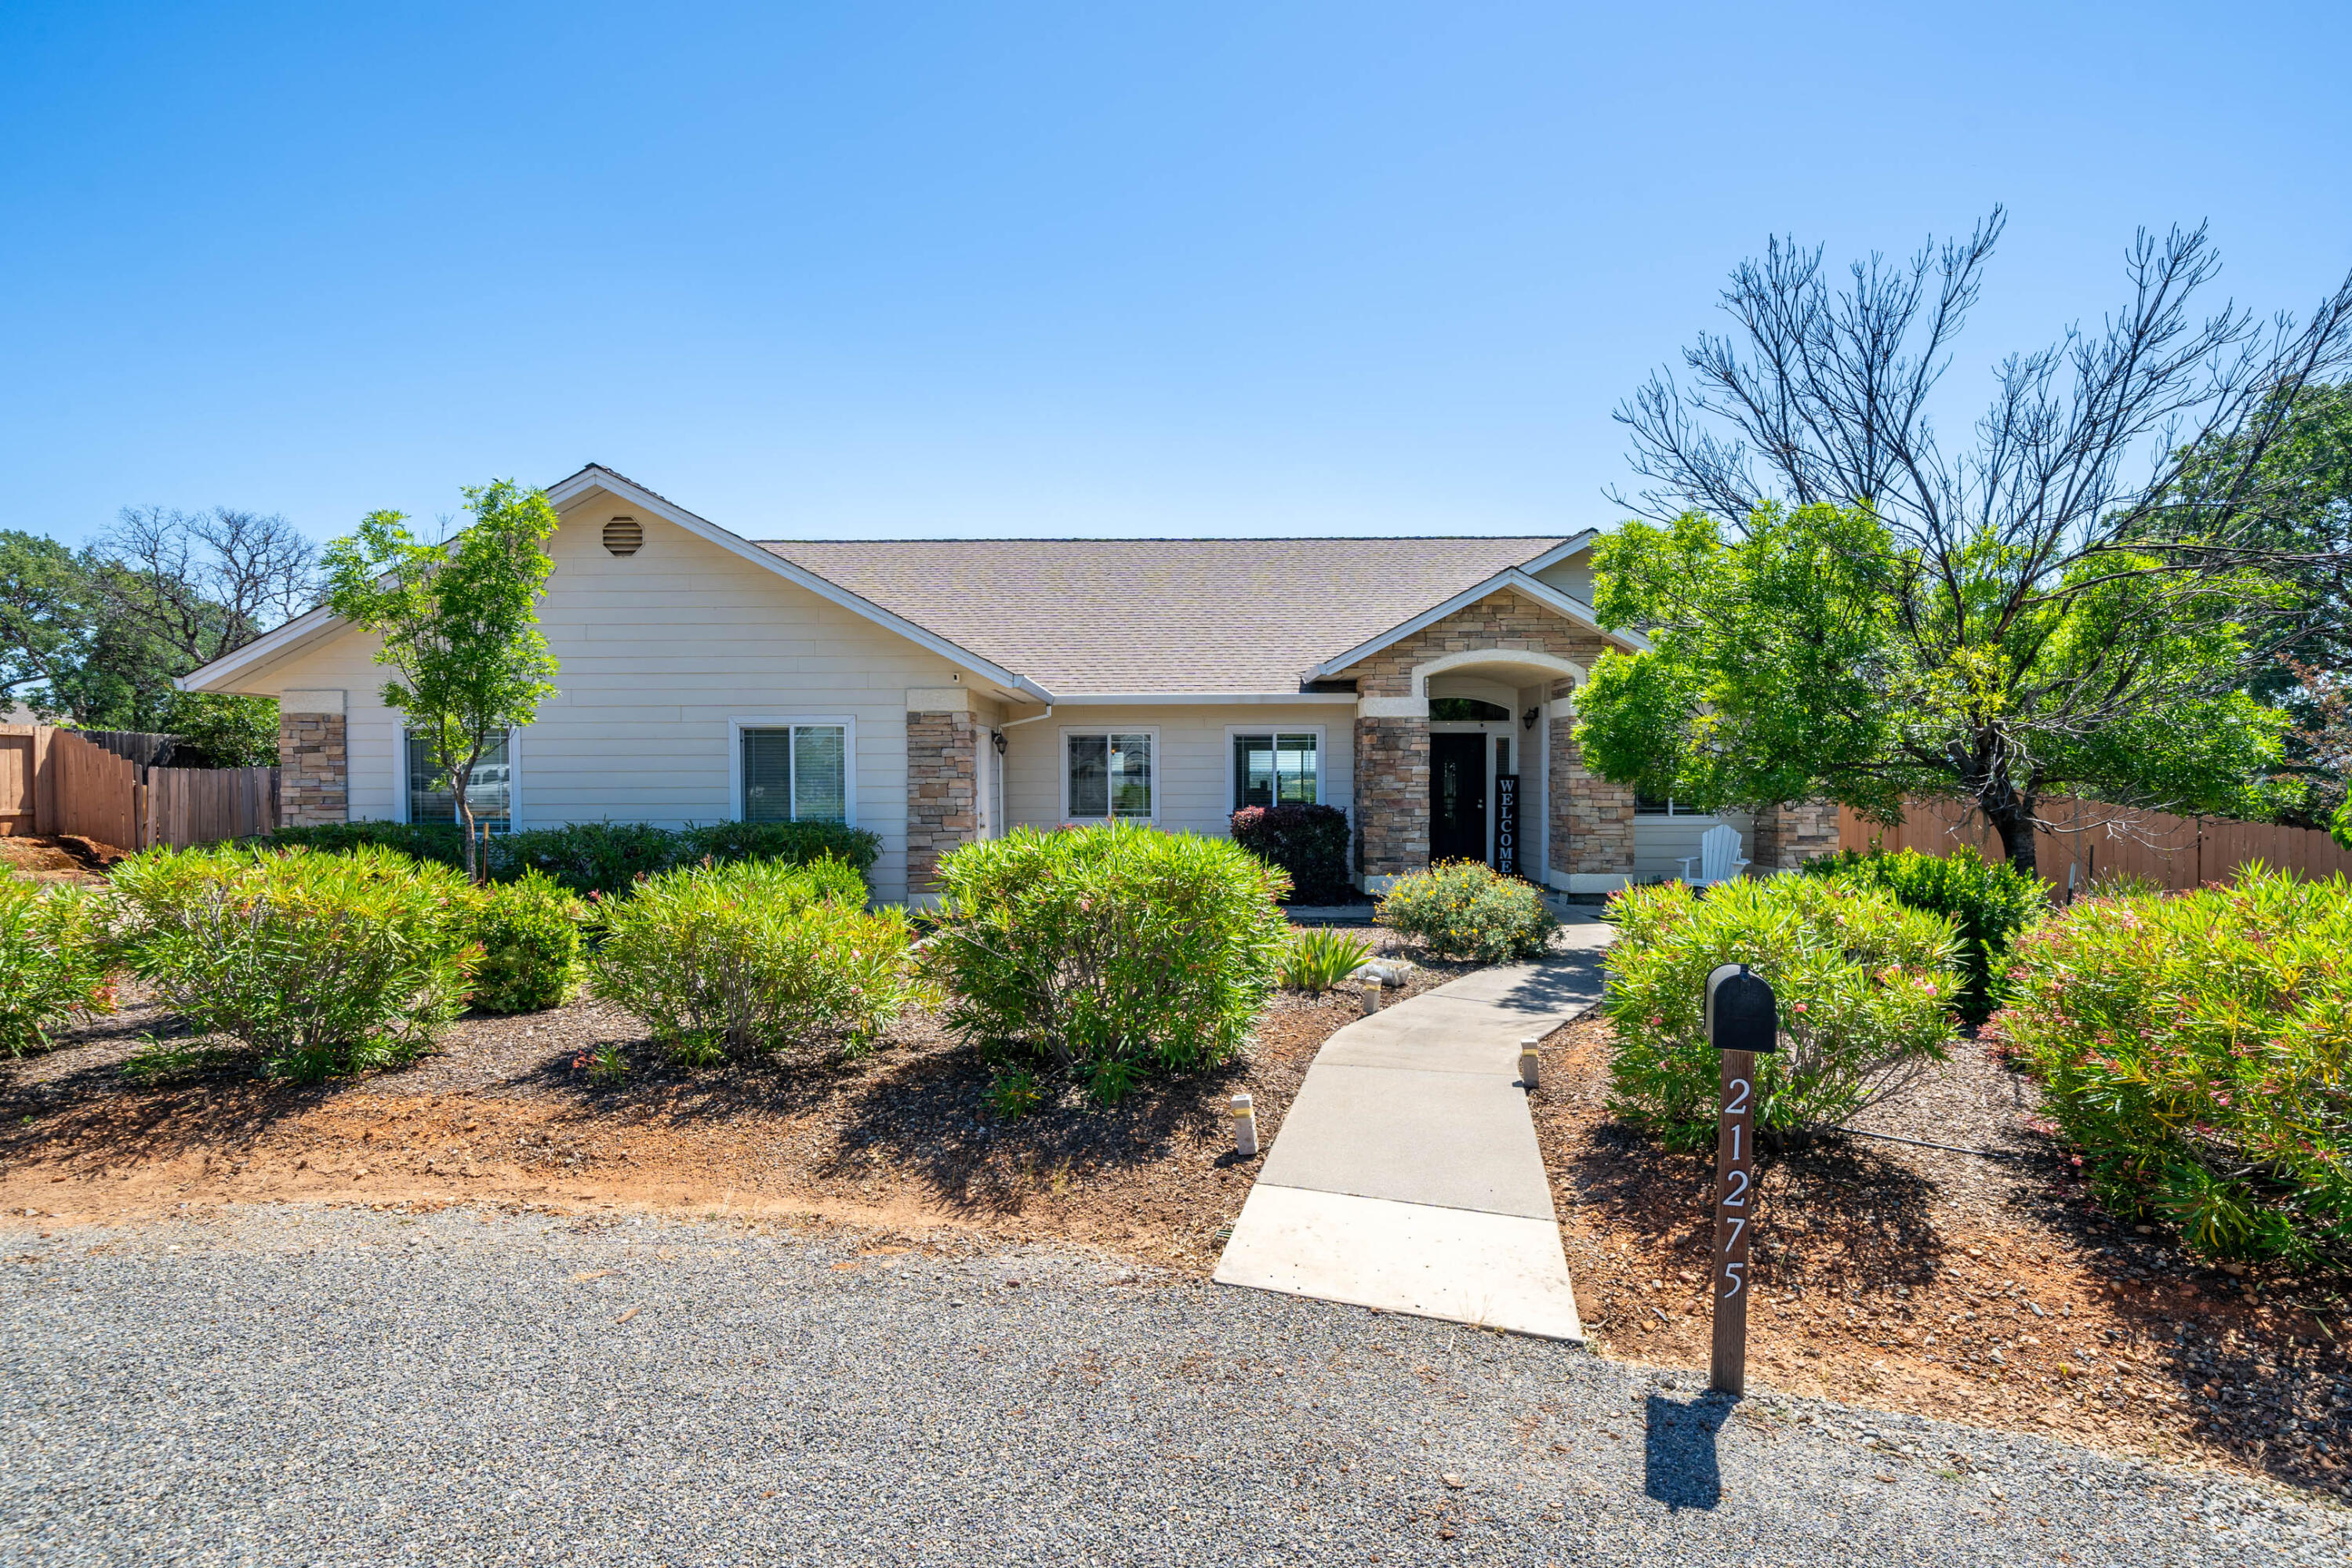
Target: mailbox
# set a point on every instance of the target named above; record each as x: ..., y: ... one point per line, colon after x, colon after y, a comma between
x: 1742, y: 1014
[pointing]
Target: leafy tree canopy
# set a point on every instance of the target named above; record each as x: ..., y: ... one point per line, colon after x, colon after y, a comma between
x: 1810, y: 655
x: 2078, y: 594
x: 460, y: 624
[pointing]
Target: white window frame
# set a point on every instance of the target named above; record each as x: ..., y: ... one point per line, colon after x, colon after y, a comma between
x: 845, y: 722
x: 1062, y: 768
x: 400, y: 774
x: 1673, y: 815
x: 1322, y: 755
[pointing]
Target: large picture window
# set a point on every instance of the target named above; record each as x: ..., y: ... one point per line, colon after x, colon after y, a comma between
x: 1108, y: 776
x: 491, y: 791
x: 794, y: 773
x: 1277, y: 769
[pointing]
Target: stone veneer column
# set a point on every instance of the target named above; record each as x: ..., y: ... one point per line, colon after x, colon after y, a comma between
x: 1591, y: 819
x: 313, y: 759
x: 1789, y: 836
x: 1392, y: 787
x: 942, y: 790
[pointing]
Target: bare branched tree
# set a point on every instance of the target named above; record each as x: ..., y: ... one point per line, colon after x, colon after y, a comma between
x: 205, y: 583
x: 2077, y: 477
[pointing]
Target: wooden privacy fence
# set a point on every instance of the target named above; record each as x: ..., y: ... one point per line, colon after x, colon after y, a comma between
x: 2090, y: 840
x: 55, y: 781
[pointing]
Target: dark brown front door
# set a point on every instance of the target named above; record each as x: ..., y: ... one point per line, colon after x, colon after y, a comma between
x: 1457, y: 797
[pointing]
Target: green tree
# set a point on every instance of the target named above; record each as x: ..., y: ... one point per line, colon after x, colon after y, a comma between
x: 46, y: 622
x: 1811, y: 656
x: 1846, y: 603
x: 459, y: 625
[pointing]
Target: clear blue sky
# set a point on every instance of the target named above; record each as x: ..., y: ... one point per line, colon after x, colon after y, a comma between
x: 874, y: 269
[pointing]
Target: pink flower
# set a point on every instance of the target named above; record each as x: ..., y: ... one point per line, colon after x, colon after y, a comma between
x: 1798, y: 1007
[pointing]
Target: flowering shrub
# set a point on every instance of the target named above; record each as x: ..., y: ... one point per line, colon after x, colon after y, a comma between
x: 55, y: 960
x: 1310, y: 842
x: 754, y: 956
x: 1112, y: 952
x: 528, y: 930
x: 1987, y: 903
x: 321, y: 964
x: 1865, y: 988
x: 2196, y: 1050
x: 1462, y: 909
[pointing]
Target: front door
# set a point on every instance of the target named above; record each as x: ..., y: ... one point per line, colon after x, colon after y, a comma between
x: 1457, y: 797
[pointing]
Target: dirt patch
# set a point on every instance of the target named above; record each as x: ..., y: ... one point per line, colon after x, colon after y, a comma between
x: 1987, y: 1290
x: 57, y: 857
x: 904, y: 1138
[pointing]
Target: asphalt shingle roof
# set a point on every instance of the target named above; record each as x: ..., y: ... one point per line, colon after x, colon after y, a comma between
x: 1096, y: 617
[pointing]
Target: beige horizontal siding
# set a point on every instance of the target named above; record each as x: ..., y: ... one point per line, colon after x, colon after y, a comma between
x: 1193, y: 762
x: 659, y: 650
x: 1661, y: 842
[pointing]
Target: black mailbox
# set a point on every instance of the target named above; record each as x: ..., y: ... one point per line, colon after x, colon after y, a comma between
x: 1742, y: 1014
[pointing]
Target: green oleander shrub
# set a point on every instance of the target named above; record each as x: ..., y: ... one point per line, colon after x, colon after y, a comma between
x: 755, y: 956
x: 319, y: 963
x: 57, y: 959
x: 1462, y: 909
x: 602, y: 858
x: 1865, y: 986
x: 2196, y: 1052
x: 1988, y: 903
x: 1111, y: 953
x: 528, y: 931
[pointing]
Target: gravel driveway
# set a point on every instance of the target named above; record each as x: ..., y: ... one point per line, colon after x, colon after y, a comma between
x: 329, y: 1386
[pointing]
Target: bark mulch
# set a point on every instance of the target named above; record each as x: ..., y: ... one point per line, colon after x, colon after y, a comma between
x: 903, y: 1139
x: 1982, y: 1290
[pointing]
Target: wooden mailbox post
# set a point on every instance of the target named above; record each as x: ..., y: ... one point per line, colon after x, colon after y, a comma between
x: 1743, y: 1019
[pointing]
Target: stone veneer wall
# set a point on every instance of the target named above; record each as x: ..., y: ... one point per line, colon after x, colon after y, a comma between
x: 942, y: 793
x: 1789, y: 836
x: 1502, y: 621
x: 313, y: 769
x: 1591, y: 819
x: 1391, y: 796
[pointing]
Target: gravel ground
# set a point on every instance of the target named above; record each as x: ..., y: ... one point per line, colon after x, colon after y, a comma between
x: 339, y: 1385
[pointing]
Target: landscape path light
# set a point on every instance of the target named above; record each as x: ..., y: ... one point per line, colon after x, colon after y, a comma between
x: 1245, y: 1113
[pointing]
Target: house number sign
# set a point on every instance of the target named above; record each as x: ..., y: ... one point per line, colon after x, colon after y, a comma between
x: 1743, y: 1020
x: 1507, y: 823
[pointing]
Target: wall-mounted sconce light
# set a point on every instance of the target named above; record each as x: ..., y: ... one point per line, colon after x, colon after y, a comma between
x: 1000, y: 743
x: 1530, y: 716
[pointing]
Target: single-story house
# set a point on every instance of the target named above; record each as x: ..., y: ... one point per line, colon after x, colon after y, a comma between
x: 935, y: 691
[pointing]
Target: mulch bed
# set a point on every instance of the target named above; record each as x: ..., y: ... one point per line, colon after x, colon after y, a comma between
x: 902, y: 1138
x: 56, y: 857
x: 1987, y: 1290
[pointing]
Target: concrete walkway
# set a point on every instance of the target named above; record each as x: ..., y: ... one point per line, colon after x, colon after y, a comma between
x: 1407, y: 1176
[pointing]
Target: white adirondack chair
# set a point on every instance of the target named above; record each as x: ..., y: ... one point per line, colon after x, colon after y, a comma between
x: 1719, y: 856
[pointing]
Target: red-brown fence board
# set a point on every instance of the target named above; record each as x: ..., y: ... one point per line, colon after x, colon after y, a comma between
x: 56, y: 781
x: 17, y: 778
x: 2089, y: 839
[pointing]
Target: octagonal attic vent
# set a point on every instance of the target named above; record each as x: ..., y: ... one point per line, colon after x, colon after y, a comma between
x: 623, y: 536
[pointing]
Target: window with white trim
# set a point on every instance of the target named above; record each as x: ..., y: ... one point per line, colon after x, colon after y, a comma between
x: 1657, y: 805
x: 795, y: 773
x: 1107, y: 775
x: 490, y: 789
x: 1277, y: 769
